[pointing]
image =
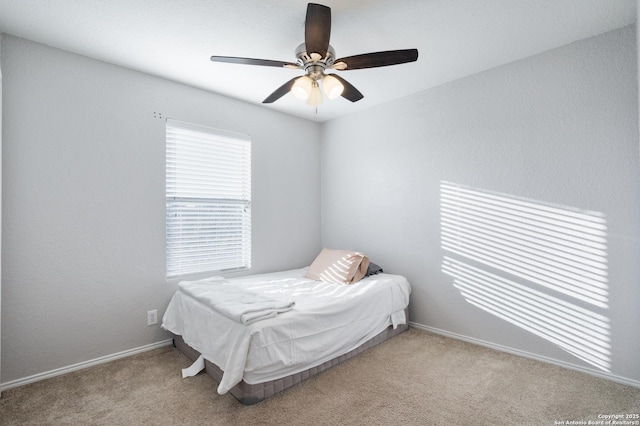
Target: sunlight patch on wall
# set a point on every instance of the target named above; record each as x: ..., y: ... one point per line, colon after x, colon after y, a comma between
x: 506, y: 253
x: 581, y: 332
x: 557, y: 248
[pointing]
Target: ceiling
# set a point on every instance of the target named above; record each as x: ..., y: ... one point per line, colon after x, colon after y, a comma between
x: 175, y: 38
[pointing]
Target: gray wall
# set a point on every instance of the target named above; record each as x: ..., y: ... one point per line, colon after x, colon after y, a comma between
x: 559, y: 129
x: 83, y: 201
x: 83, y: 242
x: 0, y: 210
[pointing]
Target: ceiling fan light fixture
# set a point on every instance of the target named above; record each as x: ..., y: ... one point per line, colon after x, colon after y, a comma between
x: 302, y: 88
x: 315, y: 98
x: 316, y: 55
x: 332, y: 87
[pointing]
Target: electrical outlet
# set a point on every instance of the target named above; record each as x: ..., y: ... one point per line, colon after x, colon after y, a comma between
x: 152, y: 317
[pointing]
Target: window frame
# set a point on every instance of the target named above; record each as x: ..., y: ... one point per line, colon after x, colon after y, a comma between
x: 207, y: 187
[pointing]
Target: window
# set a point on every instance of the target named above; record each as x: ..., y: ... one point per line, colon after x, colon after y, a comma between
x: 208, y: 195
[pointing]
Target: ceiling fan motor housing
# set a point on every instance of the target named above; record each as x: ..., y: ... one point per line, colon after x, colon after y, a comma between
x: 313, y: 65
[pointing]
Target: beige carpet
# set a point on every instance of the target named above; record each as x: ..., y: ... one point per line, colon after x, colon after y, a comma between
x: 416, y: 378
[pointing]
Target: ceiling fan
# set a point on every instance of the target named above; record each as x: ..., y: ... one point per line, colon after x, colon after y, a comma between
x: 316, y: 55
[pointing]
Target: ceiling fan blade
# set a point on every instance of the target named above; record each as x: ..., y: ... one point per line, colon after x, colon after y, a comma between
x: 349, y: 92
x: 317, y: 29
x: 378, y: 59
x: 280, y: 91
x: 251, y: 61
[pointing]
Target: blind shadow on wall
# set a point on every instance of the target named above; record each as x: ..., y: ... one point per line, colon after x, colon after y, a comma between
x: 539, y: 266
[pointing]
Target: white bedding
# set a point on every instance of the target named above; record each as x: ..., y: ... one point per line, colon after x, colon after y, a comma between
x: 328, y: 320
x: 235, y: 301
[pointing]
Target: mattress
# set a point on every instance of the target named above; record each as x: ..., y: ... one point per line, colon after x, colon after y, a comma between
x: 328, y: 320
x: 249, y: 394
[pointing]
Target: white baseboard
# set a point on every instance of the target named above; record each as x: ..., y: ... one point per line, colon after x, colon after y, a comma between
x: 501, y: 348
x: 81, y: 365
x: 123, y: 354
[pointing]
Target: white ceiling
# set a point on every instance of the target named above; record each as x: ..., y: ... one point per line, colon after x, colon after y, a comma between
x: 175, y: 38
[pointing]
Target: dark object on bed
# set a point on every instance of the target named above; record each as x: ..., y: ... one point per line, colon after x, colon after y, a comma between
x: 251, y: 394
x: 373, y: 269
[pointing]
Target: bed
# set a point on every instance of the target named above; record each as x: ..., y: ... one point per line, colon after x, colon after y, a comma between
x: 316, y: 325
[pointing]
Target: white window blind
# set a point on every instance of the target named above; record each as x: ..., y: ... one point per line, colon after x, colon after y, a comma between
x: 208, y: 192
